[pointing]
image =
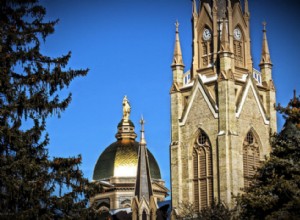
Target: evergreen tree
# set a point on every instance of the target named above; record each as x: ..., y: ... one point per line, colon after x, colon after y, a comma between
x: 29, y: 85
x: 216, y: 211
x: 275, y: 192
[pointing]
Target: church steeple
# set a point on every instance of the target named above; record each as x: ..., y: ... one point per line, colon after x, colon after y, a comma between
x: 143, y: 205
x: 177, y: 57
x: 143, y: 186
x: 265, y: 54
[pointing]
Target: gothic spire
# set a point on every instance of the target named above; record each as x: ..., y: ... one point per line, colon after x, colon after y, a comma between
x: 265, y: 54
x: 143, y: 185
x: 177, y: 57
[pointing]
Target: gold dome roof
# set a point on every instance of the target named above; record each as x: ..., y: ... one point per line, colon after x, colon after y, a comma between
x: 120, y: 160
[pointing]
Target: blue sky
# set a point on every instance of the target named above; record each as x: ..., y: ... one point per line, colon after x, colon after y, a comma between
x: 128, y: 47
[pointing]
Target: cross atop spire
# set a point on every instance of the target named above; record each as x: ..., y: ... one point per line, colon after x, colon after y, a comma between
x: 264, y: 23
x: 177, y: 26
x: 143, y: 140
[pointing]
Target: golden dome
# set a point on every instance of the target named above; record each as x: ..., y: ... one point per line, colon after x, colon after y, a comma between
x: 120, y: 160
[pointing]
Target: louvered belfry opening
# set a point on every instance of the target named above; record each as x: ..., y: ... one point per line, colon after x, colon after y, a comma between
x: 203, y: 175
x: 251, y: 159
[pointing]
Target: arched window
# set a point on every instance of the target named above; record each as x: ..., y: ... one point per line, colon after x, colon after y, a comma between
x: 250, y: 157
x: 203, y: 175
x: 103, y: 205
x: 144, y: 215
x: 126, y: 203
x: 238, y: 46
x: 206, y: 48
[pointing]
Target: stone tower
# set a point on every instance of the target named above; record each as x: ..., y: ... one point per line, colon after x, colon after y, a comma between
x: 222, y: 109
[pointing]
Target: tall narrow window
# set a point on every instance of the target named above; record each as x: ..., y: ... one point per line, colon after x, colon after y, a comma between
x: 202, y: 168
x: 250, y: 158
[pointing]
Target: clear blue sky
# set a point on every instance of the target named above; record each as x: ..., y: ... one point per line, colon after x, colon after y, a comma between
x: 128, y: 47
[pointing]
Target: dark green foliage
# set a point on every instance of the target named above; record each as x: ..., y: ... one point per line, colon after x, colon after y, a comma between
x: 217, y: 211
x: 29, y: 86
x: 275, y: 192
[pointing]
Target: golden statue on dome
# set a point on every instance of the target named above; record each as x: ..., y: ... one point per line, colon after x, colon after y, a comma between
x: 126, y: 109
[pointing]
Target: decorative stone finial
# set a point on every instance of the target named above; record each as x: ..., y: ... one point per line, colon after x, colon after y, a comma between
x: 126, y: 109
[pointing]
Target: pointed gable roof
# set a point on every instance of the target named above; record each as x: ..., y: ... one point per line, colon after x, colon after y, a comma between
x: 199, y: 86
x: 250, y: 84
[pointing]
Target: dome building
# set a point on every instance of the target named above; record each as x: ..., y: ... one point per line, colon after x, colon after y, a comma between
x: 116, y: 169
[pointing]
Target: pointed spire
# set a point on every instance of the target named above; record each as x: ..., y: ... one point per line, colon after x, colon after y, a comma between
x: 224, y: 38
x: 265, y: 54
x: 143, y: 185
x: 177, y: 57
x: 194, y: 8
x: 246, y: 7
